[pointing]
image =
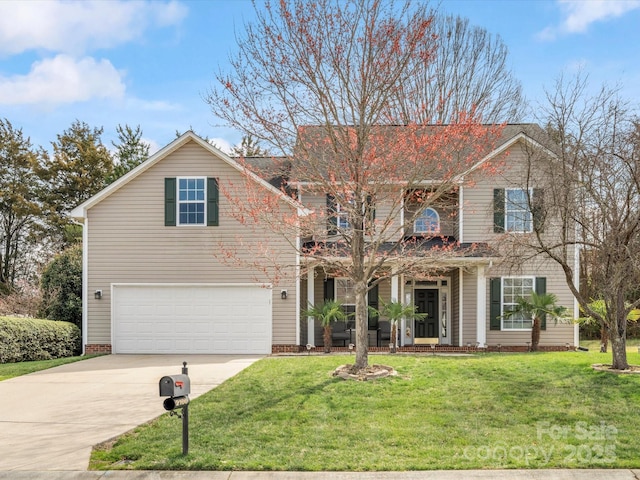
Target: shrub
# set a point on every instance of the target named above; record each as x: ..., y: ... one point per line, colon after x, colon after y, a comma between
x: 62, y: 287
x: 27, y: 339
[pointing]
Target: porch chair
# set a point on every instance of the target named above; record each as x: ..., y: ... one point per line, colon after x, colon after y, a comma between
x: 339, y: 332
x: 384, y: 332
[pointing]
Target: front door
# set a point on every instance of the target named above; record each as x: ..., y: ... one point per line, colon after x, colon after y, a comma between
x: 427, y: 302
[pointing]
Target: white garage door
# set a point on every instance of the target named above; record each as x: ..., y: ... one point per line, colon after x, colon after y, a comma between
x: 187, y: 319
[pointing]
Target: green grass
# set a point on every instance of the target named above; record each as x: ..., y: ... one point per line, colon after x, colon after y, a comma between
x: 594, y: 345
x: 542, y: 410
x: 10, y: 370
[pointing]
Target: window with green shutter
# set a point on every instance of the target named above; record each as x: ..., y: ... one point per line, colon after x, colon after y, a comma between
x: 191, y: 201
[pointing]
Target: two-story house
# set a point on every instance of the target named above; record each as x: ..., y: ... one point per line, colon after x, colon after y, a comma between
x: 154, y: 280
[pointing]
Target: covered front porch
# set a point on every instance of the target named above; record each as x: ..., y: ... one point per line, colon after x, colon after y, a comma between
x: 454, y: 302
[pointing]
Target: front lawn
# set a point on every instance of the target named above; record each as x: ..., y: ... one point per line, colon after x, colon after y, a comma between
x: 10, y: 370
x: 541, y: 410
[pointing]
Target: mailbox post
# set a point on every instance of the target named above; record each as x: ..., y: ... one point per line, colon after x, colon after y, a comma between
x: 178, y: 388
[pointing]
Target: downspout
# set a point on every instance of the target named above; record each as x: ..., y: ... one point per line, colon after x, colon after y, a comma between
x: 85, y: 282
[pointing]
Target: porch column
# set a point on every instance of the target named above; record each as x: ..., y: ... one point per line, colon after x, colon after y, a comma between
x: 460, y: 307
x: 311, y: 300
x: 395, y: 296
x: 481, y: 302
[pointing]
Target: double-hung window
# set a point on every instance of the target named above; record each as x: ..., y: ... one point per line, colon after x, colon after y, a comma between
x: 518, y: 217
x: 513, y: 289
x: 342, y: 217
x: 338, y: 214
x: 191, y: 201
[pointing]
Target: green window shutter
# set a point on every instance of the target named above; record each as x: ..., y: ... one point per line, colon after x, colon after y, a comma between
x: 373, y: 303
x: 332, y: 219
x: 537, y: 209
x: 170, y: 207
x: 541, y: 287
x: 329, y: 289
x: 213, y: 202
x: 498, y: 210
x: 495, y: 304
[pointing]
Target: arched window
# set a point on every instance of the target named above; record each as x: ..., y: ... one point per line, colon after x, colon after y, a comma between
x: 427, y: 222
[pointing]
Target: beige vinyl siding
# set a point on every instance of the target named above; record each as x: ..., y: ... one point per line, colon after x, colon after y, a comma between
x: 478, y: 198
x: 555, y: 334
x: 128, y: 243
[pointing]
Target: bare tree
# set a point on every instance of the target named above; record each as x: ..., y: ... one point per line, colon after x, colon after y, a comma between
x: 320, y: 82
x: 592, y: 197
x: 469, y: 72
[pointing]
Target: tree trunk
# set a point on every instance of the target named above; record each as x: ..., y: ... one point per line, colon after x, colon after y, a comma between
x: 618, y: 332
x: 327, y: 338
x: 362, y: 325
x: 619, y: 348
x: 394, y: 336
x: 619, y: 353
x: 535, y: 334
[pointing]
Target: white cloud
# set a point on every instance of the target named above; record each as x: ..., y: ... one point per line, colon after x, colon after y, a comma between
x: 75, y: 27
x: 63, y: 79
x: 153, y: 145
x: 580, y: 14
x: 221, y: 144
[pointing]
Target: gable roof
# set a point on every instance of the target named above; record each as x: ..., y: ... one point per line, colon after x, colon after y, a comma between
x: 80, y: 212
x: 530, y: 133
x: 510, y: 134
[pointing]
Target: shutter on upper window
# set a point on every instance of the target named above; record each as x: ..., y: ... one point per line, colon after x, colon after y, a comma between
x: 495, y: 304
x: 213, y: 202
x: 170, y: 207
x: 541, y: 288
x: 537, y: 209
x: 498, y: 210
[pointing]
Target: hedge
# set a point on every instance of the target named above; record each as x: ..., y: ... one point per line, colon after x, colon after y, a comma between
x: 27, y: 339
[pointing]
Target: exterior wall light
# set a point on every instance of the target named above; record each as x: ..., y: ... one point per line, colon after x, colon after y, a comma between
x: 283, y: 294
x: 98, y: 294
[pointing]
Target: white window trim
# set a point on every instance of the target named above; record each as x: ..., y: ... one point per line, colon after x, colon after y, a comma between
x: 506, y: 210
x: 178, y: 202
x: 342, y: 218
x: 415, y: 222
x: 533, y: 289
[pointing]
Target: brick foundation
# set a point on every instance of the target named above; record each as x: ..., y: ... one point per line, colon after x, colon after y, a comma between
x: 95, y: 349
x: 275, y: 349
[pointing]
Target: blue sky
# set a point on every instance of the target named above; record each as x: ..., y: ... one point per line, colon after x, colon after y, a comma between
x: 151, y: 62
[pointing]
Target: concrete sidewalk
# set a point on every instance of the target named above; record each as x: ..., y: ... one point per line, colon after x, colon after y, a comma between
x: 51, y: 419
x: 426, y: 475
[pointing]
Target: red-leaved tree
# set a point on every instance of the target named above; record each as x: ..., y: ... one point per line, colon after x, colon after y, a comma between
x: 320, y: 82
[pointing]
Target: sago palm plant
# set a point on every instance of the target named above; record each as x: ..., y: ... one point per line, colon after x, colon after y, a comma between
x: 538, y: 306
x: 396, y: 311
x: 326, y: 312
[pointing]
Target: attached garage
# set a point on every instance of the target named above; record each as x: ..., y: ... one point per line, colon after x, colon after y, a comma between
x: 191, y: 319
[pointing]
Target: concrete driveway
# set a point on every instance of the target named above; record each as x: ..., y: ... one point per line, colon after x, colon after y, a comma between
x: 50, y: 420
